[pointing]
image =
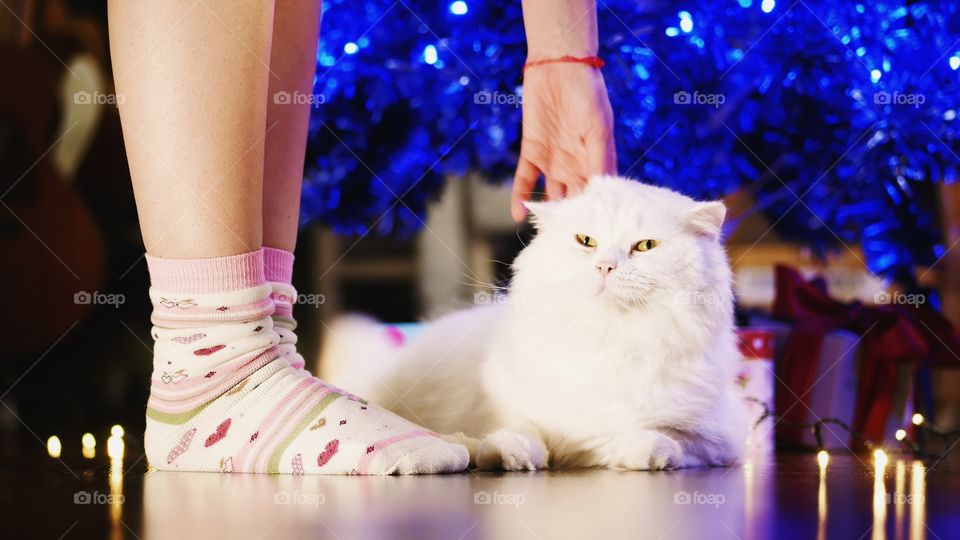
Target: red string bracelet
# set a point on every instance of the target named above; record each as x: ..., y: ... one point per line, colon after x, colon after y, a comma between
x: 592, y: 61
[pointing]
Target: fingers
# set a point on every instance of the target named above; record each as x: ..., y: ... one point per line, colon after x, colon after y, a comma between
x: 524, y: 180
x: 567, y: 171
x: 601, y: 153
x: 555, y: 190
x: 575, y: 186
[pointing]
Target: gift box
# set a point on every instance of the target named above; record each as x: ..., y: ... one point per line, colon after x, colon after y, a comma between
x: 831, y: 394
x: 847, y: 366
x: 755, y: 379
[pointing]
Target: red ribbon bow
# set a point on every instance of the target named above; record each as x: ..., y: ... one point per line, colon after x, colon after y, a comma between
x: 887, y: 336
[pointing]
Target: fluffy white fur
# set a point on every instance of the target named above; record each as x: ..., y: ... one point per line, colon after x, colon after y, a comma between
x: 633, y: 369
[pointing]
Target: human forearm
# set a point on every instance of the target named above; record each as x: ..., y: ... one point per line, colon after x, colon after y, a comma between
x: 556, y: 28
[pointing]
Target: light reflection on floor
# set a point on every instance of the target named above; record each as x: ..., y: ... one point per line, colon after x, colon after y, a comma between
x: 768, y: 496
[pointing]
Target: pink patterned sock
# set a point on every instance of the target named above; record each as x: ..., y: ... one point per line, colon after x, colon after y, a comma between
x: 223, y: 398
x: 278, y: 270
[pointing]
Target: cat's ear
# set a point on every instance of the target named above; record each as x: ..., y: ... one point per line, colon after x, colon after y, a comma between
x: 706, y: 218
x: 541, y: 212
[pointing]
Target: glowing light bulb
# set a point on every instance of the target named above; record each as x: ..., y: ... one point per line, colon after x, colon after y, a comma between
x: 351, y: 48
x: 823, y: 458
x: 459, y: 8
x: 430, y: 54
x: 54, y: 447
x: 89, y: 452
x: 918, y: 419
x: 88, y: 440
x: 117, y: 430
x: 880, y: 457
x: 901, y: 434
x: 115, y: 447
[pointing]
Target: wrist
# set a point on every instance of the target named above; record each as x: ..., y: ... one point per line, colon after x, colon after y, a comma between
x: 591, y: 61
x: 556, y: 28
x: 559, y: 52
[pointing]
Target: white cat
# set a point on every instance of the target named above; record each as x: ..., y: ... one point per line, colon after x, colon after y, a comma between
x: 615, y: 347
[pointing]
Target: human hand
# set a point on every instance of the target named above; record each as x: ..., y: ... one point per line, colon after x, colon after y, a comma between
x: 567, y: 132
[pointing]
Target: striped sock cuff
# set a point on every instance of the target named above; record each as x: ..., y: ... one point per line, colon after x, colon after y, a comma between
x: 207, y: 276
x: 278, y: 265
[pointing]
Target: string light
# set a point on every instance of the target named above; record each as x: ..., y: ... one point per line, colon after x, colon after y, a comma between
x: 115, y: 447
x: 823, y: 458
x: 117, y: 430
x: 880, y: 458
x: 89, y: 444
x: 54, y: 447
x: 902, y: 435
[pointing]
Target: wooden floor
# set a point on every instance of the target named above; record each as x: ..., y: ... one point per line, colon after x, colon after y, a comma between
x: 781, y: 496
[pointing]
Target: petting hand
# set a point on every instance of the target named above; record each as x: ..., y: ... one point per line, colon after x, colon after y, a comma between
x: 567, y: 132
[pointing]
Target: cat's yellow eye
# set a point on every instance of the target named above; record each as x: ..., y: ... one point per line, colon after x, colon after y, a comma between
x: 645, y: 245
x: 585, y: 240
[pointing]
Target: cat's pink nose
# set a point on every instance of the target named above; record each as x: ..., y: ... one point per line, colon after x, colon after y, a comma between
x: 605, y: 267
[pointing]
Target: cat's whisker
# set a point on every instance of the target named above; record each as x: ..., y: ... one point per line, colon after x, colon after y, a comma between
x: 522, y: 243
x: 486, y: 286
x: 478, y: 283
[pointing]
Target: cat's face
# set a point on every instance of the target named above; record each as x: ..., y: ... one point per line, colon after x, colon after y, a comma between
x: 622, y: 243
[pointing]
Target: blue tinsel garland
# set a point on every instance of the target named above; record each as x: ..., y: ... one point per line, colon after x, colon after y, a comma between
x: 814, y: 100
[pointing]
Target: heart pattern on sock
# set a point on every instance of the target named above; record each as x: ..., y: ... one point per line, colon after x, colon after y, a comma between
x: 328, y: 452
x: 186, y: 340
x: 297, y: 464
x: 177, y: 376
x: 181, y: 446
x: 219, y: 434
x: 320, y: 423
x: 226, y: 464
x: 209, y: 350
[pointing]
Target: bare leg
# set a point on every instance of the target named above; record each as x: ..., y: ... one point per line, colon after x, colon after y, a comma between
x: 192, y: 77
x: 292, y: 66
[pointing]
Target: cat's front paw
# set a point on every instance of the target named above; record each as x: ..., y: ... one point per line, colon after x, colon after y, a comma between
x: 511, y: 451
x: 648, y: 450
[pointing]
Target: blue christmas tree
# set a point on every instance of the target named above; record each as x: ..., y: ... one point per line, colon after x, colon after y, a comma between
x: 840, y: 117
